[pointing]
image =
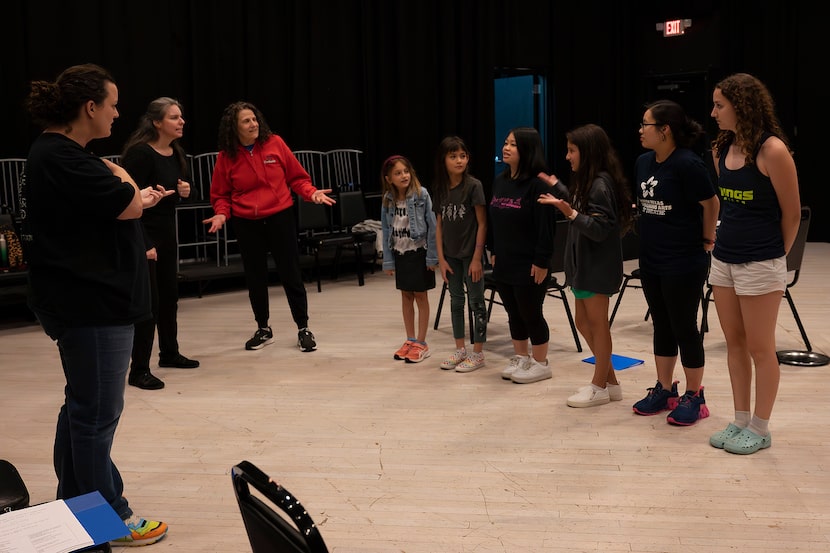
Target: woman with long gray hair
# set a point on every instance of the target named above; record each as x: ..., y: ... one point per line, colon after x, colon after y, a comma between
x: 154, y: 156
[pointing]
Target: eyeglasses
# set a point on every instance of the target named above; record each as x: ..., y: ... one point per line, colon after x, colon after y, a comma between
x: 643, y: 125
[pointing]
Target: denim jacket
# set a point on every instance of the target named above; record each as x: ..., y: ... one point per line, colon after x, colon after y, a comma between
x: 421, y: 225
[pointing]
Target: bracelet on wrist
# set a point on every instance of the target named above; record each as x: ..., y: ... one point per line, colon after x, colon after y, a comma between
x: 708, y: 241
x: 573, y: 215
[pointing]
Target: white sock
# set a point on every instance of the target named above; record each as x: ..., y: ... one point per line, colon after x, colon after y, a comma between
x: 596, y: 388
x: 134, y: 520
x: 759, y: 426
x: 742, y: 419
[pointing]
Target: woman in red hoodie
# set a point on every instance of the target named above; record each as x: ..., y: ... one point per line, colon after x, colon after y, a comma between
x: 252, y: 181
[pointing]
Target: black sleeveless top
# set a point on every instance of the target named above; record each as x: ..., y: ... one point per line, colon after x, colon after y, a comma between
x: 750, y: 227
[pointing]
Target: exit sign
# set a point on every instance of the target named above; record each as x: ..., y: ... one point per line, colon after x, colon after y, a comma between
x: 674, y: 27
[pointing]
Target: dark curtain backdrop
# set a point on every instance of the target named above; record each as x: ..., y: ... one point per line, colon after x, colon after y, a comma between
x: 387, y: 76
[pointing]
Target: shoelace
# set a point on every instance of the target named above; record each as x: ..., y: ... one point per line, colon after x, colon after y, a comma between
x: 686, y: 399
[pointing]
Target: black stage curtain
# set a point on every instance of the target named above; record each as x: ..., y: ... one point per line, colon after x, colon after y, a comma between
x: 396, y: 76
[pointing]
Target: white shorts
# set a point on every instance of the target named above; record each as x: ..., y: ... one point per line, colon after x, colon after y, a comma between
x: 755, y: 278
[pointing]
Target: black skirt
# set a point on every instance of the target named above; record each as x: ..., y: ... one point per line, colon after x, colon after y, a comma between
x: 411, y: 273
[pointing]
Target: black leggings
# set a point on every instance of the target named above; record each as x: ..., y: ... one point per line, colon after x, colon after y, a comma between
x: 277, y: 234
x: 164, y: 297
x: 523, y: 303
x: 673, y: 301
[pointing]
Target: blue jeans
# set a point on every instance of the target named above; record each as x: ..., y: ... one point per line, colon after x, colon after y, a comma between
x: 457, y: 281
x: 95, y: 362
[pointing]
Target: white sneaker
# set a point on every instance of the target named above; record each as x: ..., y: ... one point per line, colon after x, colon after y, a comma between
x: 588, y: 396
x: 534, y: 371
x: 614, y: 391
x: 474, y: 361
x: 454, y: 360
x: 516, y: 362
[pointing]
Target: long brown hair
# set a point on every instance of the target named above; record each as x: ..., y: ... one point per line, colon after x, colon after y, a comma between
x: 755, y: 112
x: 597, y: 155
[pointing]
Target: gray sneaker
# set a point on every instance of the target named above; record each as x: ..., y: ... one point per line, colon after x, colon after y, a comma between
x: 534, y: 371
x: 516, y: 362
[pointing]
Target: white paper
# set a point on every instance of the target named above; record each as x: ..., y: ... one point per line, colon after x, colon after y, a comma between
x: 47, y: 528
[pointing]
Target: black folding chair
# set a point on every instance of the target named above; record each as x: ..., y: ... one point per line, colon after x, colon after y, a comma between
x: 268, y: 530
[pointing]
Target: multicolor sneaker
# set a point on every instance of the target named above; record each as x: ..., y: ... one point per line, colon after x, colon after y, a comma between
x: 418, y: 351
x: 516, y: 362
x: 690, y: 409
x: 473, y: 362
x: 453, y: 360
x: 657, y: 400
x: 400, y: 355
x: 142, y: 532
x: 261, y: 338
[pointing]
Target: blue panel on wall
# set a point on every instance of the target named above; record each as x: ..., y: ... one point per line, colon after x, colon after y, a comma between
x: 520, y: 102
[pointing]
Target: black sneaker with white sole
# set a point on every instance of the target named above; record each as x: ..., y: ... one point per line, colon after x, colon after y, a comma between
x: 305, y: 340
x: 261, y: 338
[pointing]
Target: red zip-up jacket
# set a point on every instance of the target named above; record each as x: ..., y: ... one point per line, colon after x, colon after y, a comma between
x: 258, y: 184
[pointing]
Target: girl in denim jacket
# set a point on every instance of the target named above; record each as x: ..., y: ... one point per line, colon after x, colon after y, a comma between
x: 409, y: 250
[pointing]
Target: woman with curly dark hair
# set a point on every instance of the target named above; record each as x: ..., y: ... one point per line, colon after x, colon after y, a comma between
x: 252, y: 181
x: 600, y: 214
x: 760, y: 216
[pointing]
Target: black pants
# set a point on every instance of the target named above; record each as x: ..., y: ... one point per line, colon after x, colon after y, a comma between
x: 673, y: 301
x: 164, y: 295
x: 524, y: 303
x: 277, y: 234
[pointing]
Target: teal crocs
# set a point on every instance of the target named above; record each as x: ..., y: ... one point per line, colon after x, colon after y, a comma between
x: 746, y: 442
x: 718, y: 439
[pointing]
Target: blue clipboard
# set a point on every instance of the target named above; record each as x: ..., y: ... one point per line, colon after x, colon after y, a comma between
x: 97, y: 517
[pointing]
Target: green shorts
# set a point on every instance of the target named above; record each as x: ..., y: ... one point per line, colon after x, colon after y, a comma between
x: 585, y: 294
x: 582, y: 294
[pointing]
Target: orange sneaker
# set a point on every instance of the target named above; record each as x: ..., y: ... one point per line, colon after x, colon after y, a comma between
x: 418, y: 351
x: 400, y: 355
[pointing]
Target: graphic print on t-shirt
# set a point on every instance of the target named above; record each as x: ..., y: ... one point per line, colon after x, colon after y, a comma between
x: 400, y: 230
x: 506, y: 203
x: 454, y: 212
x: 648, y: 205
